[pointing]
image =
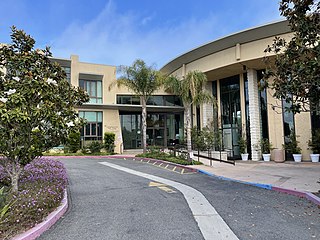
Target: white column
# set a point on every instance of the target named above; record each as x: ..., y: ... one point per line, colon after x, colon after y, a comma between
x: 254, y: 114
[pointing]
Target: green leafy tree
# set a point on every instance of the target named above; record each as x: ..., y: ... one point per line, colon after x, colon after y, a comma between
x: 36, y: 104
x: 190, y: 89
x: 143, y: 81
x: 296, y: 65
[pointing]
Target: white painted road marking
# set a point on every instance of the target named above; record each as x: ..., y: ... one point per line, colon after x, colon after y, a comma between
x: 211, y: 224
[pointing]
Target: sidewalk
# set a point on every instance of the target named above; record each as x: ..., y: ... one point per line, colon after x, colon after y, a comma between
x: 301, y: 176
x: 296, y: 176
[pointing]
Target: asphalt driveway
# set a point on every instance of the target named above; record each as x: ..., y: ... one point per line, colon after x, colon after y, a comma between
x: 110, y: 204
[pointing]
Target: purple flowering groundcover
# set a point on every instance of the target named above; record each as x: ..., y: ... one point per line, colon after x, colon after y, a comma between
x: 41, y: 189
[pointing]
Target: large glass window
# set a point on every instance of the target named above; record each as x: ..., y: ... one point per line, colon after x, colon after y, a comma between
x: 131, y: 130
x: 172, y: 101
x: 93, y: 128
x: 160, y: 100
x: 156, y: 100
x: 288, y: 124
x: 162, y: 129
x: 128, y: 99
x: 263, y: 106
x: 68, y: 73
x: 246, y: 97
x: 315, y: 115
x: 93, y: 88
x: 231, y: 114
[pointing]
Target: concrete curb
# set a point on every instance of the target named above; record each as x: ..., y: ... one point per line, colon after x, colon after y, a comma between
x: 309, y: 196
x: 51, y: 219
x: 260, y: 185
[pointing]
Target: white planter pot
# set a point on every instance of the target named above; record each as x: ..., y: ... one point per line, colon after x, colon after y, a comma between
x: 297, y: 157
x: 266, y: 157
x: 314, y: 157
x: 244, y: 156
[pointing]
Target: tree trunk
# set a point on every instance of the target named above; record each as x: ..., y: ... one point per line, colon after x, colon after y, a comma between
x: 144, y: 124
x: 188, y: 123
x: 15, y: 174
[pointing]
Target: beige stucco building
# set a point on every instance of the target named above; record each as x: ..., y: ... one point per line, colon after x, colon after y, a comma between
x: 233, y: 65
x: 118, y: 110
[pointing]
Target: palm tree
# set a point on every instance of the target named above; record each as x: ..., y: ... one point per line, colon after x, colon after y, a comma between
x: 190, y: 89
x: 143, y: 81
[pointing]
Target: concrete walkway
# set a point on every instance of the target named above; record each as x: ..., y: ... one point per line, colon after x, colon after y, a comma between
x: 296, y: 176
x: 303, y: 176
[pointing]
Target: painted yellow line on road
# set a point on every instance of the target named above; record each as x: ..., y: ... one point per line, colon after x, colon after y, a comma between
x: 161, y: 186
x: 155, y: 184
x: 166, y: 189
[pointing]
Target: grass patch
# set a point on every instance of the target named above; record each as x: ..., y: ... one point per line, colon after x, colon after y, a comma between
x: 168, y: 157
x: 41, y: 189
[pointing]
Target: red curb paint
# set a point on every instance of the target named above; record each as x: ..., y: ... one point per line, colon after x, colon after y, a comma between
x: 40, y: 228
x: 313, y: 198
x: 309, y: 196
x: 289, y: 191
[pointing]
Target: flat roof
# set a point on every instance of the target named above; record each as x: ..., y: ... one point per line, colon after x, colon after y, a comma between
x: 245, y: 36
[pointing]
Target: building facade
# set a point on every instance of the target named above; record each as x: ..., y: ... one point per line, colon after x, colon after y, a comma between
x: 234, y: 66
x: 118, y: 110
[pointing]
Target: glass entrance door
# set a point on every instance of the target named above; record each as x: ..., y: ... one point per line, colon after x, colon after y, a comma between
x: 162, y: 129
x: 156, y: 129
x: 231, y: 114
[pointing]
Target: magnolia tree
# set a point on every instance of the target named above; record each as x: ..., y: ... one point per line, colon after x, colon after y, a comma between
x: 36, y: 104
x: 295, y: 67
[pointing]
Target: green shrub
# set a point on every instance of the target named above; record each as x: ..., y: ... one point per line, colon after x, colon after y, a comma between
x: 242, y: 145
x: 266, y: 146
x: 95, y: 147
x: 314, y: 142
x: 155, y: 149
x: 73, y: 143
x: 292, y: 145
x: 109, y: 139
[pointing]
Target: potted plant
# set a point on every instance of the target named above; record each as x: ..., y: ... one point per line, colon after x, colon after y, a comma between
x: 265, y: 147
x: 292, y: 146
x: 243, y: 148
x: 314, y: 145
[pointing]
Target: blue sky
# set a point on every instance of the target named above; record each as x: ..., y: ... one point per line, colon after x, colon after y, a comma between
x: 116, y: 32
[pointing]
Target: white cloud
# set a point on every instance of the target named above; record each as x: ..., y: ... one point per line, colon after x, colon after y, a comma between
x: 118, y: 38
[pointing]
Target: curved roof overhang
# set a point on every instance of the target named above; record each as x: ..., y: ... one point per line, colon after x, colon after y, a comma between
x: 248, y: 35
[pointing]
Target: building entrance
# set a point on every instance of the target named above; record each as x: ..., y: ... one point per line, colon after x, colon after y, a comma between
x: 162, y: 129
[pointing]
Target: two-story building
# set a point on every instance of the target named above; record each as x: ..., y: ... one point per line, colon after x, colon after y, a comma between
x: 119, y: 111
